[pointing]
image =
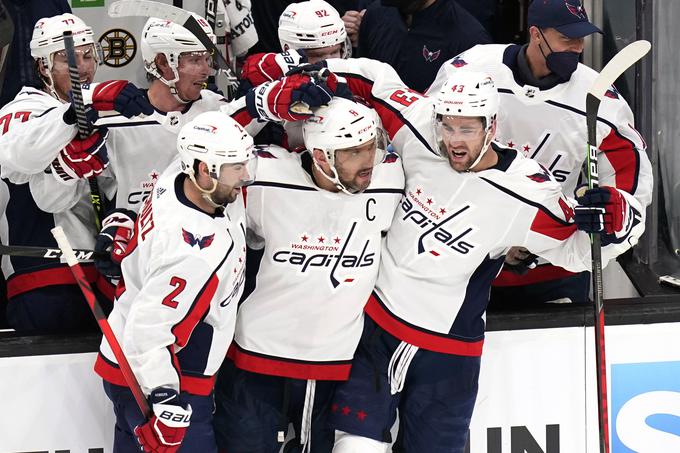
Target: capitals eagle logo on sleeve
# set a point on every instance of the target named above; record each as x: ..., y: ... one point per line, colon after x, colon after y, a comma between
x: 192, y: 239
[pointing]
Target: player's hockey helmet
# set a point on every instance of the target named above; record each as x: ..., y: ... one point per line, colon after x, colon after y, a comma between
x: 48, y: 37
x: 216, y: 139
x: 313, y: 24
x: 343, y: 124
x: 468, y: 93
x: 161, y: 36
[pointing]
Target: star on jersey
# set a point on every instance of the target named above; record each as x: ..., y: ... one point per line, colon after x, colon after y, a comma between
x: 194, y: 239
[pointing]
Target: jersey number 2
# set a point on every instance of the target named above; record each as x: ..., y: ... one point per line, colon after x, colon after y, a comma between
x: 179, y: 284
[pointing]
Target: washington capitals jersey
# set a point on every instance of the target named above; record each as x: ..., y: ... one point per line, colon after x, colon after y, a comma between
x: 549, y: 126
x: 321, y: 257
x: 176, y: 304
x: 141, y: 148
x: 451, y: 231
x: 32, y: 133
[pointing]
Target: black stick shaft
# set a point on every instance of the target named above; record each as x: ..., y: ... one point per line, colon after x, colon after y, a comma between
x: 84, y: 128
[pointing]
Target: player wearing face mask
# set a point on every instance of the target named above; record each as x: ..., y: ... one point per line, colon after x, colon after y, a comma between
x: 542, y: 89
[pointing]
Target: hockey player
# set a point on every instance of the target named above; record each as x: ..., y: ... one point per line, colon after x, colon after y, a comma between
x: 141, y: 148
x: 319, y: 215
x: 420, y: 351
x: 38, y: 132
x: 542, y: 115
x: 309, y: 31
x: 181, y: 281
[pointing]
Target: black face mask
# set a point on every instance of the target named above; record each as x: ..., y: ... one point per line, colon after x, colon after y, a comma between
x: 562, y: 64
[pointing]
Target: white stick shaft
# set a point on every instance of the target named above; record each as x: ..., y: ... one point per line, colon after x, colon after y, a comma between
x: 62, y: 242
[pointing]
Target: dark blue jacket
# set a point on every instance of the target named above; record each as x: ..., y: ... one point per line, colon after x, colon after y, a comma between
x: 438, y: 33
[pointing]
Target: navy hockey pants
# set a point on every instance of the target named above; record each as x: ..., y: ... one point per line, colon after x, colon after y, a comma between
x: 435, y: 405
x: 252, y: 408
x: 199, y: 437
x: 58, y: 308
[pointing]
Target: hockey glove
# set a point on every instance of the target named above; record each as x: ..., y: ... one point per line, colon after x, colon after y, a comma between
x: 82, y: 158
x: 519, y: 261
x: 117, y: 230
x: 164, y: 432
x: 604, y: 210
x: 121, y: 96
x: 320, y: 73
x: 288, y: 99
x: 267, y: 67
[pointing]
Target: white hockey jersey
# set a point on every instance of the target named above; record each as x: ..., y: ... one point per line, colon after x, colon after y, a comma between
x: 549, y: 126
x: 450, y: 233
x: 32, y: 133
x: 321, y: 257
x: 176, y: 304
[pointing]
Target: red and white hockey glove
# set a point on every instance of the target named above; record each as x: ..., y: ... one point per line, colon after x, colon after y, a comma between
x: 82, y: 158
x: 164, y: 432
x: 604, y: 210
x: 117, y: 230
x: 267, y: 67
x: 121, y: 96
x: 288, y: 99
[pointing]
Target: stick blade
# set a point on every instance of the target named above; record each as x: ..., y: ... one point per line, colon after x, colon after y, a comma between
x: 148, y: 8
x: 623, y: 60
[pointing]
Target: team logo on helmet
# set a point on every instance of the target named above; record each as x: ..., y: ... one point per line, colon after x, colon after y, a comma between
x: 118, y: 46
x: 430, y: 55
x: 576, y: 8
x: 458, y: 62
x: 206, y: 128
x: 194, y: 239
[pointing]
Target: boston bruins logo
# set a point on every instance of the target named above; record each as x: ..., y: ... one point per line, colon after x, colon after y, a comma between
x: 119, y: 47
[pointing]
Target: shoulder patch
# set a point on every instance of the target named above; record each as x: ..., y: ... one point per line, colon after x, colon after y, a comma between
x: 192, y: 239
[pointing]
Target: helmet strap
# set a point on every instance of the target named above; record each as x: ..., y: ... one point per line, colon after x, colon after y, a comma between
x: 333, y: 178
x: 206, y: 193
x: 485, y: 148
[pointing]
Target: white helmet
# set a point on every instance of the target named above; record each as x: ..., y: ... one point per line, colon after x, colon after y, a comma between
x: 48, y: 38
x: 161, y: 36
x: 343, y: 124
x: 311, y: 25
x: 469, y: 94
x: 216, y: 139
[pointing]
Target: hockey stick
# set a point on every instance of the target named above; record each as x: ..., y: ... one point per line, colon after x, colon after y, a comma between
x: 623, y: 60
x: 84, y: 128
x: 6, y: 36
x: 47, y: 252
x: 147, y: 8
x: 100, y: 316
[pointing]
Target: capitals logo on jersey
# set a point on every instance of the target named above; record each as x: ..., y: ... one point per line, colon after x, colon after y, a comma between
x: 543, y: 176
x: 430, y: 55
x: 458, y: 62
x: 576, y: 8
x: 194, y: 239
x: 326, y: 251
x: 144, y: 190
x: 422, y: 211
x: 612, y: 92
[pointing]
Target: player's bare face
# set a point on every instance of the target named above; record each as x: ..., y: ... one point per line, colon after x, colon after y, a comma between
x: 355, y: 166
x: 463, y: 138
x: 232, y: 178
x: 323, y: 53
x: 87, y: 66
x: 194, y: 68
